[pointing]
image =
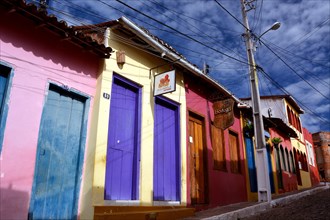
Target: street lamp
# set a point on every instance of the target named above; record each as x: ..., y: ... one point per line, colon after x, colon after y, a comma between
x: 264, y: 191
x: 275, y: 26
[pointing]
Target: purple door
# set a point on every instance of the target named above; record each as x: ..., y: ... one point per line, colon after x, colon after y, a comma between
x: 122, y: 166
x: 166, y: 151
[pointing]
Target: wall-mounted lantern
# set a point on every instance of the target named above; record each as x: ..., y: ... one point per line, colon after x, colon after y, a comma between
x: 120, y: 57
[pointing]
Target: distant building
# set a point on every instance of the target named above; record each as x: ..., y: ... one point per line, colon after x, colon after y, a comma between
x: 284, y: 109
x: 311, y: 158
x: 322, y: 149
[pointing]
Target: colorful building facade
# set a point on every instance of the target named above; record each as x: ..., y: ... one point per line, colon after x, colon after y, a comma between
x: 311, y: 158
x: 174, y: 161
x: 140, y: 155
x: 288, y: 157
x: 47, y: 92
x: 215, y: 157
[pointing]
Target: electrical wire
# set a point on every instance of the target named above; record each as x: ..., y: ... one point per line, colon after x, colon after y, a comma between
x: 81, y: 22
x: 179, y: 14
x: 294, y: 71
x: 287, y: 93
x: 199, y: 31
x: 181, y: 33
x: 231, y: 14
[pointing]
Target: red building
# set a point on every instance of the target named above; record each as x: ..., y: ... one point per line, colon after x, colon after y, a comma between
x: 215, y: 157
x: 283, y: 154
x: 311, y: 158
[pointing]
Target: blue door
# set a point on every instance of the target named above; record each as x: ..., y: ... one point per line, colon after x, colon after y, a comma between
x: 59, y: 156
x: 4, y: 79
x: 122, y: 167
x: 251, y: 164
x: 166, y: 152
x: 3, y: 86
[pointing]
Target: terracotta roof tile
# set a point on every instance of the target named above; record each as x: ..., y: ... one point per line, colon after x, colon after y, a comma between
x: 60, y: 27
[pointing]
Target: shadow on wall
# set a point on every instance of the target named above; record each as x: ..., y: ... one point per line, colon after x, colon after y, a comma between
x: 14, y: 203
x: 43, y: 44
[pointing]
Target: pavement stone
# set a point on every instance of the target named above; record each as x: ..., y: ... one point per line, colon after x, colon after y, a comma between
x: 246, y: 209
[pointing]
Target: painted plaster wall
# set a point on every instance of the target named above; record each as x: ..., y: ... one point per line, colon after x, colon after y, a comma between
x: 313, y: 168
x: 224, y: 187
x: 276, y: 105
x: 289, y: 178
x: 300, y: 134
x: 305, y: 176
x: 37, y: 58
x: 137, y: 66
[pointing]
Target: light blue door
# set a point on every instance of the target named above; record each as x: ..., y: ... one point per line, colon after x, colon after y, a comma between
x: 59, y: 156
x: 4, y: 80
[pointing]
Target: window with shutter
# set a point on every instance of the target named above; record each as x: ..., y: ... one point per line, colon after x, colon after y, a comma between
x: 218, y: 144
x: 234, y: 152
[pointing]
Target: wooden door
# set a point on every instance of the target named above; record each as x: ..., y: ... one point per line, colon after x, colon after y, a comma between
x: 122, y: 167
x: 166, y: 176
x: 59, y: 156
x: 197, y: 162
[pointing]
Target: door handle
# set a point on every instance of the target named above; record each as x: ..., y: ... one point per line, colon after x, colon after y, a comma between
x: 42, y: 152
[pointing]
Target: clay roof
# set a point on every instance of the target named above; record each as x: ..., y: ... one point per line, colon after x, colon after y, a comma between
x: 50, y: 22
x: 141, y: 36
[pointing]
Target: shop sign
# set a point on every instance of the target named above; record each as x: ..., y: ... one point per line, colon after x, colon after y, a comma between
x: 223, y: 113
x: 164, y: 83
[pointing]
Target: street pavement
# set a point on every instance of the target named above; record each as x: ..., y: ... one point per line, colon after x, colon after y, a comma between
x: 313, y: 203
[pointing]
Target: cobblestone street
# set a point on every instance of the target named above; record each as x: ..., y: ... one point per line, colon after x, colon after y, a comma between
x: 316, y: 206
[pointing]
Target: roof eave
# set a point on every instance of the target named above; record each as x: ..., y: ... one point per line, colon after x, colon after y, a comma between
x: 173, y: 56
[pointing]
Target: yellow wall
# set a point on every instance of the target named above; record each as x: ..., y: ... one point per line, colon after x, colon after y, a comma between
x: 305, y: 176
x: 136, y: 68
x: 305, y: 180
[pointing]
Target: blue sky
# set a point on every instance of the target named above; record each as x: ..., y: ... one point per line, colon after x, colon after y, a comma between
x: 295, y: 57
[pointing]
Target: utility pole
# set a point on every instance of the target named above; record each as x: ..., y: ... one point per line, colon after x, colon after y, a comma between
x: 264, y: 192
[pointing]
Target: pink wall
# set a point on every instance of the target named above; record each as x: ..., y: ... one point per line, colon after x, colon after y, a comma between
x: 37, y: 57
x: 224, y: 187
x: 313, y: 170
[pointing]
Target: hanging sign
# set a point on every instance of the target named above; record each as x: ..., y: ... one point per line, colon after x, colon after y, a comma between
x: 164, y: 83
x: 223, y: 113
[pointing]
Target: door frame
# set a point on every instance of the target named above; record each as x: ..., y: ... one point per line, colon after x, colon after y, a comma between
x: 177, y: 140
x: 195, y: 115
x: 82, y: 144
x: 5, y: 107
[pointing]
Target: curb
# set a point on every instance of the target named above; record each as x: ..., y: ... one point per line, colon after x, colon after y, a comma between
x: 264, y: 206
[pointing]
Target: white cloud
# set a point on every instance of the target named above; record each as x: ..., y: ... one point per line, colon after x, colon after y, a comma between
x: 301, y: 42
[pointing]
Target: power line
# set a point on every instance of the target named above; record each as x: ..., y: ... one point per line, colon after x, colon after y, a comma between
x: 293, y: 69
x: 181, y: 33
x: 98, y: 28
x: 192, y: 18
x: 231, y: 14
x: 199, y: 30
x: 298, y: 65
x: 287, y: 93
